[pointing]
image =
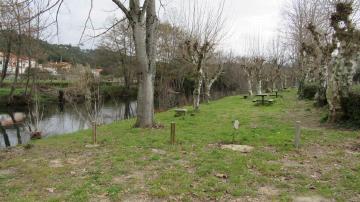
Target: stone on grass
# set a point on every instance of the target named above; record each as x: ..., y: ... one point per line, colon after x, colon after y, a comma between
x: 92, y: 146
x: 9, y: 171
x: 268, y: 191
x: 56, y: 164
x: 221, y: 175
x: 311, y: 199
x: 158, y: 151
x: 50, y: 190
x: 239, y: 148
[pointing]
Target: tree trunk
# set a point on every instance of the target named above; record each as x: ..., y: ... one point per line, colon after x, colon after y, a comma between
x: 334, y: 101
x: 145, y: 99
x: 18, y: 52
x: 334, y: 91
x: 127, y: 110
x: 274, y: 86
x: 13, y: 86
x: 250, y: 91
x: 28, y: 77
x: 259, y: 87
x: 285, y: 82
x: 210, y: 81
x: 143, y: 21
x: 320, y: 96
x: 197, y: 90
x: 6, y: 63
x: 207, y: 93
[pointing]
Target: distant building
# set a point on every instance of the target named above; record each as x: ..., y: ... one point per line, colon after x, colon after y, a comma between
x: 58, y: 66
x: 97, y: 71
x: 24, y: 63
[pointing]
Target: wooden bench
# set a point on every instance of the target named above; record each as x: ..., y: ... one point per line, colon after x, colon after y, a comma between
x: 269, y: 101
x: 180, y: 112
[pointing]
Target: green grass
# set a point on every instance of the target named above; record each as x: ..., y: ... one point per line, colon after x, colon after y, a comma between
x: 138, y: 164
x: 6, y: 91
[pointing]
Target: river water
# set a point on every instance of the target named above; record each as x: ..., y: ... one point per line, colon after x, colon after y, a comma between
x: 56, y: 120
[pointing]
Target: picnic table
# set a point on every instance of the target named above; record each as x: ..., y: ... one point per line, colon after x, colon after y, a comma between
x: 263, y: 101
x: 262, y: 98
x: 276, y: 93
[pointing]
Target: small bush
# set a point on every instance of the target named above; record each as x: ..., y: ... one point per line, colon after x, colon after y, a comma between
x: 111, y: 92
x: 356, y: 89
x: 324, y: 118
x: 308, y: 92
x: 351, y: 107
x: 28, y: 146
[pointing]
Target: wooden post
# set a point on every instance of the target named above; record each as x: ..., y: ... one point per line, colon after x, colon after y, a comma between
x: 297, y: 134
x: 172, y: 134
x: 94, y: 132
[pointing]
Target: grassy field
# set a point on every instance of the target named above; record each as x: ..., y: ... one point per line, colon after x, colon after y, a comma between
x: 6, y: 91
x: 140, y: 165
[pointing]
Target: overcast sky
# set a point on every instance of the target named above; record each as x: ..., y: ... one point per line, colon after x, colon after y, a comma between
x: 244, y: 18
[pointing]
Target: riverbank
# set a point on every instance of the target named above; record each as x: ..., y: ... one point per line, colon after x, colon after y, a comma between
x: 139, y: 164
x: 49, y: 93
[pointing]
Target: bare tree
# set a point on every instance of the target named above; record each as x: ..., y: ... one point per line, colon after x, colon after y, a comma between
x: 297, y: 15
x: 246, y: 65
x: 20, y: 13
x: 277, y: 59
x: 345, y: 58
x: 7, y: 28
x: 119, y: 40
x: 204, y: 27
x: 211, y: 75
x: 255, y: 52
x: 172, y: 71
x: 143, y: 21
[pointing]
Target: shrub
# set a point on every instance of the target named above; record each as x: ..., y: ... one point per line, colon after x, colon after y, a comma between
x: 308, y: 92
x: 356, y: 89
x: 351, y: 107
x: 112, y: 92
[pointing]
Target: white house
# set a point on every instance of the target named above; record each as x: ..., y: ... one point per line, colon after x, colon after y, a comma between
x: 24, y: 63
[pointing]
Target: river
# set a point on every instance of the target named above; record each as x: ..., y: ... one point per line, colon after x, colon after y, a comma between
x: 56, y: 119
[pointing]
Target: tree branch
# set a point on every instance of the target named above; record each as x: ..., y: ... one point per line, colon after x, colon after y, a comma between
x: 123, y: 9
x: 143, y: 10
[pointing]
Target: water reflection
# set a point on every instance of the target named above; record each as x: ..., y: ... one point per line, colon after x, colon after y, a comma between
x: 56, y: 120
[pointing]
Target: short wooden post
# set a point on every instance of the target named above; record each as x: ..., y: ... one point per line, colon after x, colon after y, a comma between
x: 94, y: 132
x: 236, y: 128
x: 172, y: 134
x: 297, y: 134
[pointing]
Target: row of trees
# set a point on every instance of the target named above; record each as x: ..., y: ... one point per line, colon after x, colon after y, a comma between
x: 325, y: 38
x: 189, y: 47
x: 163, y: 58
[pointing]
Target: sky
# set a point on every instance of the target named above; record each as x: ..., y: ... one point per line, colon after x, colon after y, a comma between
x: 243, y: 18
